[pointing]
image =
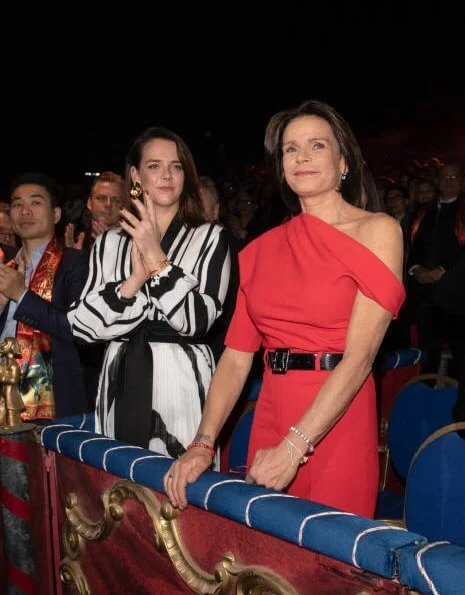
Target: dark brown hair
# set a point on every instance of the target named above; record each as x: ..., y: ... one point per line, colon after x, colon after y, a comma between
x: 351, y: 186
x: 190, y: 204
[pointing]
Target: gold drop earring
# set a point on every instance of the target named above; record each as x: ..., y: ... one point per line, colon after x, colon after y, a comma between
x: 136, y: 190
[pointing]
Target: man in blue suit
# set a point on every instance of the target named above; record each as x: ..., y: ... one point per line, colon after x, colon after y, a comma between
x: 37, y: 289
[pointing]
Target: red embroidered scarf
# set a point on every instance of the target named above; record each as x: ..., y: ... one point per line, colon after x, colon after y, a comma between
x: 36, y: 369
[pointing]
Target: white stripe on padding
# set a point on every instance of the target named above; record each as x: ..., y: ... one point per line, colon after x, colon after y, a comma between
x: 371, y: 530
x: 219, y: 483
x: 319, y: 514
x: 104, y: 463
x: 422, y: 568
x: 83, y: 423
x: 131, y: 469
x: 397, y: 360
x: 247, y: 510
x: 86, y: 442
x: 52, y: 426
x: 61, y: 434
x: 418, y: 356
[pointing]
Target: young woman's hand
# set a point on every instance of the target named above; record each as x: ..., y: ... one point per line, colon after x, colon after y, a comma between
x: 144, y: 232
x: 185, y: 470
x: 139, y: 274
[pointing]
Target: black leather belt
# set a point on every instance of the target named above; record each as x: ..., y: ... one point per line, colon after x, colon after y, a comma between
x: 282, y: 360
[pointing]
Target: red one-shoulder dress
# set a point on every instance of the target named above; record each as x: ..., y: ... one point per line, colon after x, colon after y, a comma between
x: 298, y: 283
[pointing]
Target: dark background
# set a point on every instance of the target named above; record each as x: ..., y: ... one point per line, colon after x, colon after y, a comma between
x: 79, y: 86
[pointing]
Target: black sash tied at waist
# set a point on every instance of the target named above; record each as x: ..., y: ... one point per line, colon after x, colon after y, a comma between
x: 133, y: 405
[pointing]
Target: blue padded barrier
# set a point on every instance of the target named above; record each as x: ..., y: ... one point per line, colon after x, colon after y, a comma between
x: 365, y: 543
x: 437, y: 567
x: 402, y: 357
x: 84, y: 421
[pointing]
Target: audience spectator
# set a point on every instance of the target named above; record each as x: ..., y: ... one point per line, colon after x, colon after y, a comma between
x: 8, y: 242
x: 243, y: 221
x: 396, y: 201
x: 437, y: 247
x: 210, y: 198
x: 36, y: 290
x: 103, y: 211
x: 425, y: 195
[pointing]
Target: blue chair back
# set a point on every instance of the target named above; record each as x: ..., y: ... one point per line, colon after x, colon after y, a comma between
x: 417, y: 412
x: 435, y: 491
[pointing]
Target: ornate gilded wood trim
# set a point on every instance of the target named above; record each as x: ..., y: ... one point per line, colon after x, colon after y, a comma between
x: 77, y: 529
x: 71, y: 574
x: 255, y: 580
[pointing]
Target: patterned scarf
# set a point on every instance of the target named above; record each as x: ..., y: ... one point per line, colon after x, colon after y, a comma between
x: 36, y: 384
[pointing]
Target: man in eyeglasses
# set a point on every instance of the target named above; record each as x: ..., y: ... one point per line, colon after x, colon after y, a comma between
x: 103, y: 212
x: 437, y: 249
x: 103, y: 206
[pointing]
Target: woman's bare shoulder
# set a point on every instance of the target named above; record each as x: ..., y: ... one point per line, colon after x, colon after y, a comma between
x: 382, y: 234
x: 378, y: 226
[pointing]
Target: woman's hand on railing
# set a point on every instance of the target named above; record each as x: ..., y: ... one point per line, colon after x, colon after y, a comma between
x: 274, y: 467
x: 185, y: 470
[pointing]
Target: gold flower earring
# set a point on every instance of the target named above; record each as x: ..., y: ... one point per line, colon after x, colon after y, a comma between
x: 136, y: 190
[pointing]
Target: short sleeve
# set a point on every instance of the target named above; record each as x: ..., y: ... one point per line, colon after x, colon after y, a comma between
x: 242, y: 333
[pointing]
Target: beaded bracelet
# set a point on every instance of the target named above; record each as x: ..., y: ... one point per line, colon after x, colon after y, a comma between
x: 305, y: 438
x: 210, y: 449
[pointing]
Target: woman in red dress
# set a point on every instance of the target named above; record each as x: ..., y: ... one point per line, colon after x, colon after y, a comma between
x: 318, y: 293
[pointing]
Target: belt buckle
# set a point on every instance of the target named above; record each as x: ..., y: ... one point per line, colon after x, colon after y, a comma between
x: 280, y: 361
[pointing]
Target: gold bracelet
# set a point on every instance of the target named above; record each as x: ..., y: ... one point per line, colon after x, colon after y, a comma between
x: 160, y: 266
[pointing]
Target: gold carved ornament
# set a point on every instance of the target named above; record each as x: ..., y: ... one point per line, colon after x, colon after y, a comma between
x: 77, y: 528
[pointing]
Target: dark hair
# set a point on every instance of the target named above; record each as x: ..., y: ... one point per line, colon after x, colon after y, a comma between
x: 190, y: 204
x: 371, y: 199
x: 401, y: 189
x: 53, y: 188
x: 351, y: 186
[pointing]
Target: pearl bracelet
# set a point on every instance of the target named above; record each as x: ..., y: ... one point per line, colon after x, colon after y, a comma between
x: 305, y: 438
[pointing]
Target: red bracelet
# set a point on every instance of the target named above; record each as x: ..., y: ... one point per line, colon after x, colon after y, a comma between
x: 202, y: 445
